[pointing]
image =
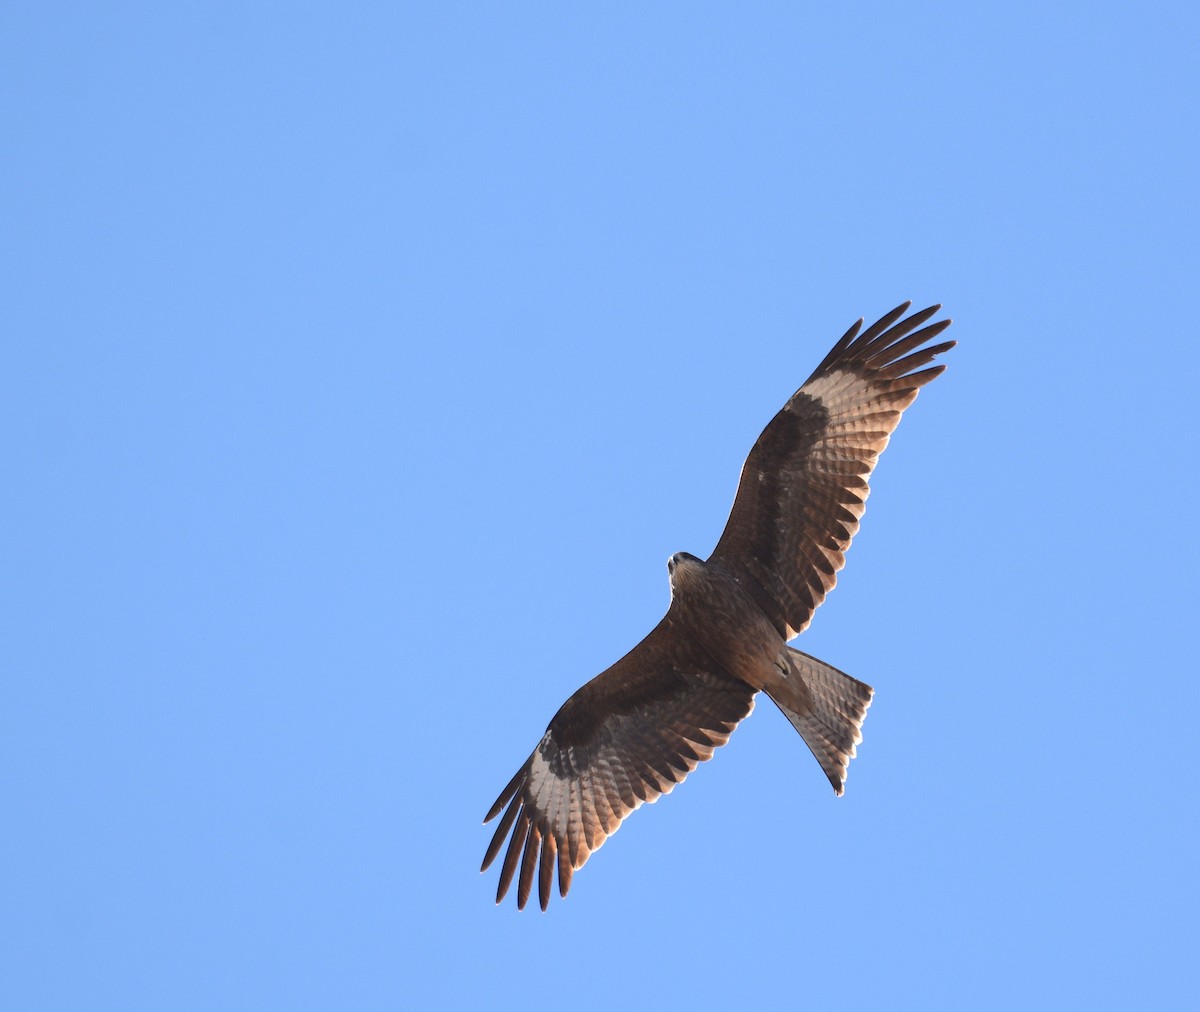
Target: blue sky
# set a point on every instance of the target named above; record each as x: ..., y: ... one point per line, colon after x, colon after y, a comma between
x: 364, y: 364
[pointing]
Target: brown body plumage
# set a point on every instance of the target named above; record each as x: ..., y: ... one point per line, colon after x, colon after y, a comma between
x: 636, y: 730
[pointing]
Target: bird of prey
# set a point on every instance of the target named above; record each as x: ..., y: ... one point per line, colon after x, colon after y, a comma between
x: 636, y: 730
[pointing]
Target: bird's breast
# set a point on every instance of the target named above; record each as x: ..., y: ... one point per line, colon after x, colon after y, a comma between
x: 718, y: 614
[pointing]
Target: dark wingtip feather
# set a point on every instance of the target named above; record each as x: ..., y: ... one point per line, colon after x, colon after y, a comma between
x: 934, y: 329
x: 913, y: 322
x: 546, y: 870
x: 901, y: 370
x: 883, y: 323
x: 919, y: 379
x: 505, y: 794
x: 510, y: 857
x: 886, y: 340
x: 533, y: 843
x: 883, y: 343
x: 843, y: 343
x: 501, y: 832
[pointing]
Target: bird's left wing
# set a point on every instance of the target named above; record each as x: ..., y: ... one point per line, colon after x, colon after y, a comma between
x: 628, y: 736
x: 804, y: 486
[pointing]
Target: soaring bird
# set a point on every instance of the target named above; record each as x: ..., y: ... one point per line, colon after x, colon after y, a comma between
x: 636, y: 730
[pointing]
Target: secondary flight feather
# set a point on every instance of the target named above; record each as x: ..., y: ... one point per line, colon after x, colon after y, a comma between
x: 636, y: 730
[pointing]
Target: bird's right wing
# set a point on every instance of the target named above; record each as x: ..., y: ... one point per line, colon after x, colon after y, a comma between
x: 628, y: 736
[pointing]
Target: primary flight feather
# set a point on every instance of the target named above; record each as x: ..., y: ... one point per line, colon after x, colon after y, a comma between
x: 636, y: 730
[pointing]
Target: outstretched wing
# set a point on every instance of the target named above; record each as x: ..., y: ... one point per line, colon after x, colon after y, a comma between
x: 804, y: 486
x: 628, y: 736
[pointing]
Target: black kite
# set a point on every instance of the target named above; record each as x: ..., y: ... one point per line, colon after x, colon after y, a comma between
x: 634, y: 732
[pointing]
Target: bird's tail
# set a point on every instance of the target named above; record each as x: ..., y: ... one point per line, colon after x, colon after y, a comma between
x: 838, y: 704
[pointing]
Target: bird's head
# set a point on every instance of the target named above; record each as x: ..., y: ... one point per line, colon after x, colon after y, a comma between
x: 680, y: 564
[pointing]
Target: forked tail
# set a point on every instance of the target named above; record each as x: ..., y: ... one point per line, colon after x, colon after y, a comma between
x: 833, y: 726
